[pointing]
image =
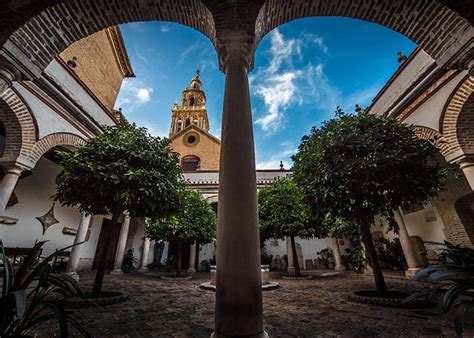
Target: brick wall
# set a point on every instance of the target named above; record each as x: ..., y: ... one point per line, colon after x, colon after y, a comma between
x: 455, y: 230
x: 208, y: 149
x: 96, y: 66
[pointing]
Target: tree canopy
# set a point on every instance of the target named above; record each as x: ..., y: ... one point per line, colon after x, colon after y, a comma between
x: 355, y: 167
x: 283, y: 212
x: 195, y: 221
x: 122, y: 169
x: 365, y: 165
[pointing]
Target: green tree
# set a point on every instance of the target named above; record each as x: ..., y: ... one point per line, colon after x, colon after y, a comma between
x: 284, y: 213
x: 359, y: 166
x: 194, y: 222
x: 122, y: 169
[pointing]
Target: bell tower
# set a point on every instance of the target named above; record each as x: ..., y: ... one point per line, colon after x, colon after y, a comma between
x: 192, y: 110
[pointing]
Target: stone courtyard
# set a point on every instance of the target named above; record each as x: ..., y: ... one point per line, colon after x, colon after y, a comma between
x: 299, y: 308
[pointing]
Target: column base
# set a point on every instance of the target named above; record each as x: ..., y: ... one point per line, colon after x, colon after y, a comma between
x: 340, y: 268
x: 191, y: 271
x: 74, y: 275
x: 263, y: 334
x: 410, y: 272
x: 143, y: 269
x: 116, y: 272
x: 291, y: 271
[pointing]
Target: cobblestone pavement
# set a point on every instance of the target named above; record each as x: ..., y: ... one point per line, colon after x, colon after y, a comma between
x: 299, y: 308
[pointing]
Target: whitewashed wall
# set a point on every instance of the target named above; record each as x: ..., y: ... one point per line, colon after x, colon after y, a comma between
x: 34, y: 195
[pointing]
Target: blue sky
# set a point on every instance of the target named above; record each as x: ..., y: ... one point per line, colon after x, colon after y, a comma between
x: 303, y: 70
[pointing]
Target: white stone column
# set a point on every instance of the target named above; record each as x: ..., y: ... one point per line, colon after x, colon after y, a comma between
x: 192, y: 259
x: 7, y: 185
x: 122, y: 242
x: 289, y: 254
x: 407, y: 247
x: 467, y: 167
x: 74, y: 257
x: 238, y: 282
x: 337, y: 256
x: 146, y: 250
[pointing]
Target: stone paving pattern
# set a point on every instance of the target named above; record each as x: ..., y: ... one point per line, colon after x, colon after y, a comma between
x: 317, y: 307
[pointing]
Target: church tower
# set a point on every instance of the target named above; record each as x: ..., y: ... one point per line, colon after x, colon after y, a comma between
x: 192, y: 109
x: 189, y: 131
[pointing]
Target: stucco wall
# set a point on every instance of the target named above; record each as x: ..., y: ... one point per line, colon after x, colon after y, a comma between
x: 411, y: 73
x: 34, y: 196
x: 429, y: 113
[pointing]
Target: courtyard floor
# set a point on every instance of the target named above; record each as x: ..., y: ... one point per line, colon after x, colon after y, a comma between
x: 317, y: 307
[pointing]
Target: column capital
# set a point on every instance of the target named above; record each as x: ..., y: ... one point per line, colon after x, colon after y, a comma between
x: 13, y: 168
x: 236, y: 52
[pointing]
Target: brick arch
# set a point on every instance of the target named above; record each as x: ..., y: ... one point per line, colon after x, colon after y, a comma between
x: 20, y: 126
x: 430, y: 24
x: 49, y: 142
x: 49, y: 32
x: 435, y: 137
x: 452, y: 113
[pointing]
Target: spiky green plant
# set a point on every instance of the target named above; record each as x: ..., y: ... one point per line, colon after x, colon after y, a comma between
x: 27, y: 301
x: 454, y: 277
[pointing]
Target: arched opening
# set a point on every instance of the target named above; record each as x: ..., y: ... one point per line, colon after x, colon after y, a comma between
x: 191, y: 101
x: 188, y: 122
x: 190, y: 163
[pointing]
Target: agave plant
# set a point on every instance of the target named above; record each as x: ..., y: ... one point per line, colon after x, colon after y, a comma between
x: 454, y: 277
x: 27, y: 295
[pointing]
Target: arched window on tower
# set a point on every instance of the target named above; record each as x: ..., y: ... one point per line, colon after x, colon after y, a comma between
x: 188, y: 122
x: 190, y: 163
x: 191, y: 101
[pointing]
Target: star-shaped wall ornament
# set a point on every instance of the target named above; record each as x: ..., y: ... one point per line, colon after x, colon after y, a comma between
x: 48, y: 219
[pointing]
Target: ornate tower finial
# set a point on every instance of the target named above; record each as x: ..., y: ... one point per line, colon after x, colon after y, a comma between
x: 198, y: 72
x: 282, y: 166
x: 192, y: 110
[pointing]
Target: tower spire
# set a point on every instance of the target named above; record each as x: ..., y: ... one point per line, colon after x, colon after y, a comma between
x: 192, y: 110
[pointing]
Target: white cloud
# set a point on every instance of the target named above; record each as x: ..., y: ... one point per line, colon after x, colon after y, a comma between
x: 133, y: 93
x: 164, y: 27
x: 277, y: 93
x: 282, y: 84
x: 143, y: 94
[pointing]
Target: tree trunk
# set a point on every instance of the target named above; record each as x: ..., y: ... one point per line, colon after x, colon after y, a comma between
x: 373, y: 259
x: 295, y: 257
x: 99, y: 275
x: 180, y: 259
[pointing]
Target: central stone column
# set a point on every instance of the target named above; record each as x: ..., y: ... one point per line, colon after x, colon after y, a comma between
x: 238, y: 281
